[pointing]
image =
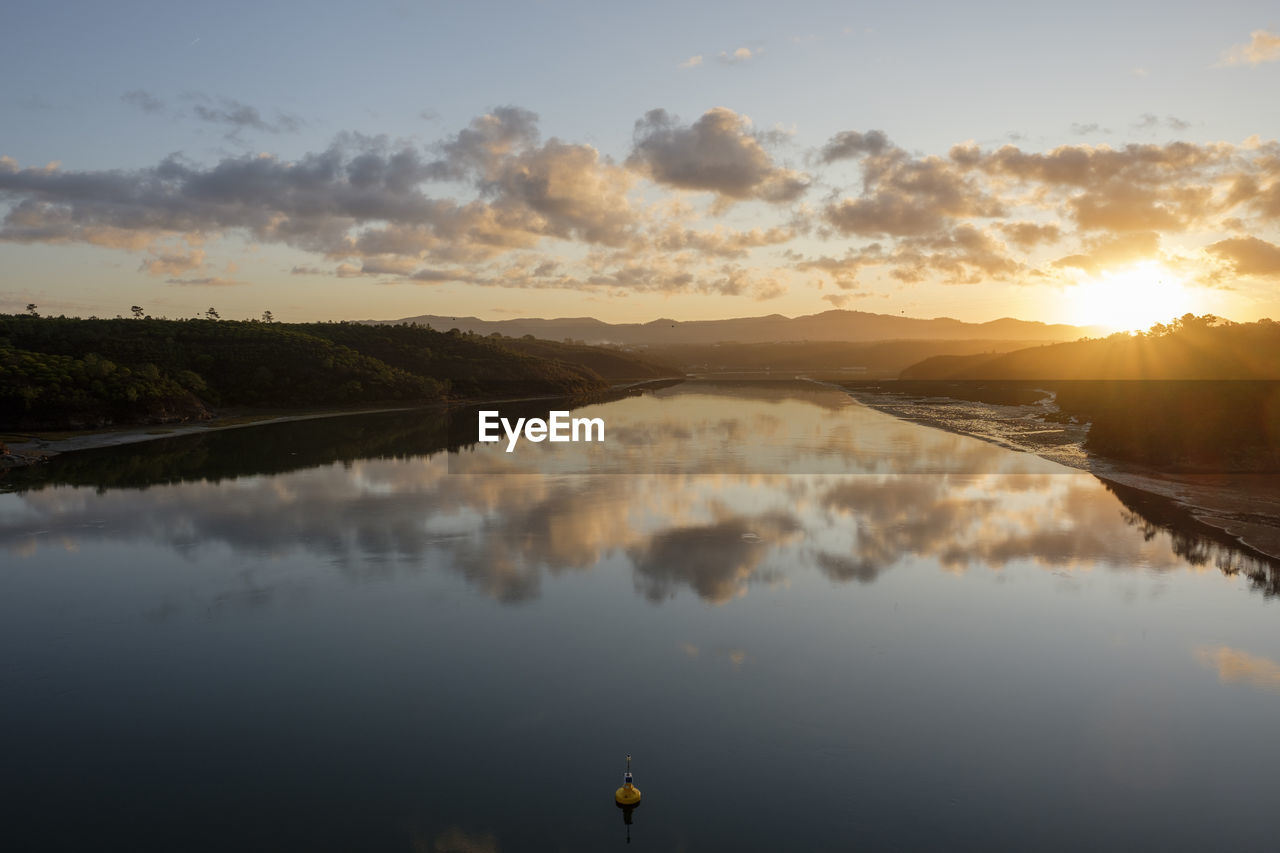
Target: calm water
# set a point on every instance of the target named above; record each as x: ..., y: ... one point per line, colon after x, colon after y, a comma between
x: 815, y: 627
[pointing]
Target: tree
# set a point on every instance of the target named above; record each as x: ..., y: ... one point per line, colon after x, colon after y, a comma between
x: 212, y: 313
x: 268, y: 317
x: 31, y: 309
x: 137, y: 312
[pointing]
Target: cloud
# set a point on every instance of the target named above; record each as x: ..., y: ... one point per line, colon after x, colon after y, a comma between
x: 1086, y: 129
x: 37, y: 103
x: 491, y: 203
x: 439, y: 276
x: 737, y: 57
x: 737, y: 281
x: 692, y: 62
x: 1101, y: 252
x: 1262, y: 47
x: 1028, y: 235
x: 206, y: 282
x: 362, y: 196
x: 1169, y: 188
x: 902, y: 196
x: 720, y: 241
x: 144, y: 101
x: 1238, y: 667
x: 559, y: 189
x: 240, y: 116
x: 717, y: 561
x: 1248, y: 256
x: 174, y: 264
x: 718, y: 153
x: 480, y: 146
x: 850, y: 144
x: 843, y: 270
x: 388, y: 265
x: 1151, y: 121
x: 963, y: 255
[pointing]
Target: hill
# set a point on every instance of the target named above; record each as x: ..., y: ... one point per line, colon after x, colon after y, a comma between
x: 1197, y: 395
x: 820, y: 359
x: 1190, y: 348
x: 68, y: 373
x: 827, y: 326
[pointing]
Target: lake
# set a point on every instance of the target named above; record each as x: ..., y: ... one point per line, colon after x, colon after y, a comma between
x: 814, y: 626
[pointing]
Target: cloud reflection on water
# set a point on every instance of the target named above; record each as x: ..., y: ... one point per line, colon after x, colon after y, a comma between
x: 877, y: 493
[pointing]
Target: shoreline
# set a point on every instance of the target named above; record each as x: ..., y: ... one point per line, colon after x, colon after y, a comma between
x: 47, y: 444
x: 1242, y: 509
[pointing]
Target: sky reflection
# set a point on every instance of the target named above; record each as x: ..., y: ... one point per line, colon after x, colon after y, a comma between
x: 1015, y: 643
x: 504, y: 523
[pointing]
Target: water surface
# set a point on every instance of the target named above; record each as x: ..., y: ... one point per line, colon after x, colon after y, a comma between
x: 814, y: 626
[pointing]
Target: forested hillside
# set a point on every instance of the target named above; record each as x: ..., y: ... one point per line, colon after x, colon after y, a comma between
x: 1198, y: 394
x: 1189, y: 348
x: 58, y: 372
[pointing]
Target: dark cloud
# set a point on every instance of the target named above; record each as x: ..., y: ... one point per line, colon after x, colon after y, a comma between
x: 850, y: 144
x: 718, y: 153
x: 240, y: 116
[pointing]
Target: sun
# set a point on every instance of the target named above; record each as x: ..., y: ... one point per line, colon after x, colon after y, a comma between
x: 1127, y: 299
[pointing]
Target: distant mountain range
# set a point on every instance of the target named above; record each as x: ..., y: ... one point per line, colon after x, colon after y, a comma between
x: 827, y: 326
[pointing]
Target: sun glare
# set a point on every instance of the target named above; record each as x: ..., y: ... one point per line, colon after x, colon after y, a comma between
x: 1129, y: 299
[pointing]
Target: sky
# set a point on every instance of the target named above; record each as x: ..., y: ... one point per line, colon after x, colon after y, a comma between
x: 1109, y: 163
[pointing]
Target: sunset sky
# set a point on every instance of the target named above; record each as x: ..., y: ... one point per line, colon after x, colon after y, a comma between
x: 1102, y: 163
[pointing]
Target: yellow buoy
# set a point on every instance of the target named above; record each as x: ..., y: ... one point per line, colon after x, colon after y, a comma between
x: 628, y: 794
